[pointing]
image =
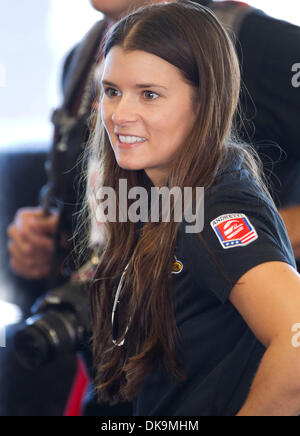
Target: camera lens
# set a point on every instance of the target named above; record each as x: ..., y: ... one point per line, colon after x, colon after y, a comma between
x: 31, y: 347
x: 45, y: 337
x: 61, y: 325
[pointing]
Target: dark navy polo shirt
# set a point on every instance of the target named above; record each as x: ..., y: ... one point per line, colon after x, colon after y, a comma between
x: 218, y: 353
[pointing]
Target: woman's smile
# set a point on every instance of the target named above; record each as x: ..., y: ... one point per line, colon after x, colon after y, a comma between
x: 127, y: 142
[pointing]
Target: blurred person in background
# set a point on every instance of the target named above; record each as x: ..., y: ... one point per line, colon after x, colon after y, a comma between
x: 267, y: 49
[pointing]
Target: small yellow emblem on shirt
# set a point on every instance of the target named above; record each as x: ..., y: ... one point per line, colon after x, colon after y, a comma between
x: 177, y: 267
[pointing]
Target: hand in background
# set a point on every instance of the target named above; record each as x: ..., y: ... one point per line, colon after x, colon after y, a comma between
x: 31, y: 243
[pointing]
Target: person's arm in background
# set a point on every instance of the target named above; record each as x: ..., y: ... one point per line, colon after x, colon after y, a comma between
x: 31, y: 234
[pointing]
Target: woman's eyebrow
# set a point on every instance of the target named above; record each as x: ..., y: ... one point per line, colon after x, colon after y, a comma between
x: 139, y: 85
x: 106, y: 82
x: 149, y: 85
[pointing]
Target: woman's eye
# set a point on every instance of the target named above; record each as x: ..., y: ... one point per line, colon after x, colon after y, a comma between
x: 150, y: 95
x: 111, y: 92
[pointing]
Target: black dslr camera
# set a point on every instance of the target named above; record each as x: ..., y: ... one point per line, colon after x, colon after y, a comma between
x: 61, y: 324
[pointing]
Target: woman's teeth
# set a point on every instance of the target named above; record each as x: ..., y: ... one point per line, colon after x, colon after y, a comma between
x: 131, y: 139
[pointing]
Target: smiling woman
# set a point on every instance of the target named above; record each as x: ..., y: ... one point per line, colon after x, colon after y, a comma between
x: 139, y: 116
x: 181, y: 321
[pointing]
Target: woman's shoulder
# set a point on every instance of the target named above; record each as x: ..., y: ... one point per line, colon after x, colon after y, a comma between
x: 241, y: 229
x: 236, y: 182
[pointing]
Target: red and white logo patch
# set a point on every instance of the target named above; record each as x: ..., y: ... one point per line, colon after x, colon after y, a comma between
x: 234, y: 230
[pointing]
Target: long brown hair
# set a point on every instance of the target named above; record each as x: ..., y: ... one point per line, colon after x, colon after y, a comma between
x: 191, y: 38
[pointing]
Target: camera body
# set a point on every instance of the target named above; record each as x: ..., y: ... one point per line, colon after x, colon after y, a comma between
x: 61, y: 324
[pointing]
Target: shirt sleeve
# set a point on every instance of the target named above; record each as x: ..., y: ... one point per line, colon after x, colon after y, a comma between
x: 241, y: 230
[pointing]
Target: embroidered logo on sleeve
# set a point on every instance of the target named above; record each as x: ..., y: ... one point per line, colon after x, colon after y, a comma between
x: 234, y: 230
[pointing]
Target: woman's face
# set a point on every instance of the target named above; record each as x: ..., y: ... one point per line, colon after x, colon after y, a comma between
x: 147, y: 109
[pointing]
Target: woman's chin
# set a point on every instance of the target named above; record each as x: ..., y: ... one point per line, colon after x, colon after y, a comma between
x: 130, y: 167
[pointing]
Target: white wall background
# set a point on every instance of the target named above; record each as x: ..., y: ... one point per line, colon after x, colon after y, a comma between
x: 288, y: 10
x: 34, y: 36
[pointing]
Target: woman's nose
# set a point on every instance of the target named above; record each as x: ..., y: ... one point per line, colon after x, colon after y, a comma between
x: 124, y: 112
